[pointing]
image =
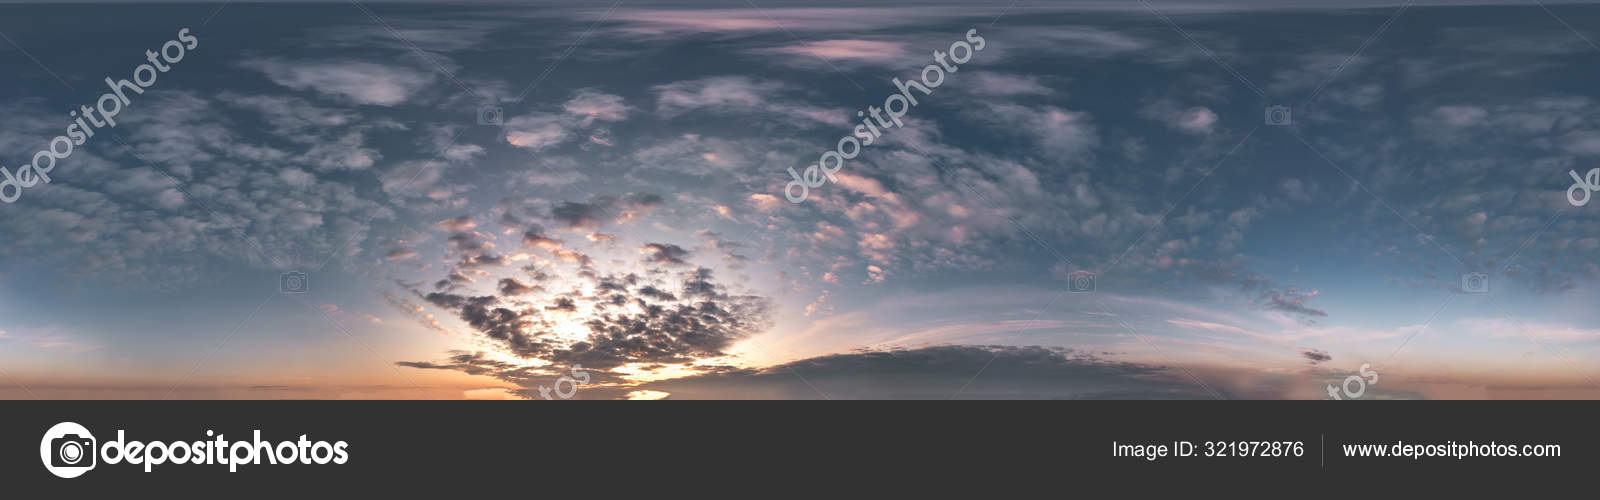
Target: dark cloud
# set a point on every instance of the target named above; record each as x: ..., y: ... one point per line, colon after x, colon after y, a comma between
x: 615, y: 283
x: 469, y: 242
x: 454, y: 279
x: 656, y: 293
x: 528, y: 378
x: 480, y: 261
x: 509, y: 326
x: 472, y: 363
x: 938, y: 372
x: 1316, y: 355
x: 664, y: 253
x: 574, y: 214
x: 1269, y: 293
x: 536, y: 237
x: 514, y: 287
x: 593, y: 214
x: 563, y: 304
x: 453, y: 301
x: 677, y: 334
x: 664, y: 328
x: 1291, y: 301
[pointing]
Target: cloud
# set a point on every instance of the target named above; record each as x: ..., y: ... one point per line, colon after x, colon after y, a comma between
x: 513, y: 287
x: 190, y: 199
x: 618, y: 327
x: 1055, y: 131
x: 537, y: 131
x: 51, y: 338
x: 335, y: 311
x: 660, y: 22
x: 937, y: 372
x: 591, y: 105
x: 1291, y: 301
x: 1207, y: 325
x: 361, y: 82
x: 664, y: 253
x: 738, y: 95
x: 1008, y: 84
x: 613, y: 317
x: 820, y: 306
x: 1316, y: 356
x: 471, y: 363
x: 647, y: 395
x: 721, y: 92
x: 1198, y: 120
x: 594, y: 213
x: 1183, y: 118
x: 459, y: 224
x: 536, y: 237
x: 840, y: 51
x: 288, y: 115
x: 579, y: 116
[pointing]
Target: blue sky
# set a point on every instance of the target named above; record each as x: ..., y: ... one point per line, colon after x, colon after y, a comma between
x: 627, y: 213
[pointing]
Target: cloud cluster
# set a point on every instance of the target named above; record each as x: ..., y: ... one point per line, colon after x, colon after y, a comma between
x: 565, y: 307
x: 579, y: 116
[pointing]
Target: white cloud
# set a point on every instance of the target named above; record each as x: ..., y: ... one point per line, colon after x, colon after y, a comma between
x: 594, y: 106
x: 713, y: 92
x: 542, y: 130
x: 536, y: 131
x: 1199, y: 120
x: 739, y: 95
x: 1180, y: 117
x: 359, y: 81
x: 840, y: 51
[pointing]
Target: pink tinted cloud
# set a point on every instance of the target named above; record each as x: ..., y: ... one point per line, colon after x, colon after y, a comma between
x: 869, y: 51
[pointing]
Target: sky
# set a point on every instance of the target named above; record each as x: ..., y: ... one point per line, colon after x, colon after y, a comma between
x: 587, y: 200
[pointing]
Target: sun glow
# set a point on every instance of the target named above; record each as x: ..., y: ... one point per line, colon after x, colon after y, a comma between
x: 569, y: 328
x: 647, y: 395
x: 639, y: 373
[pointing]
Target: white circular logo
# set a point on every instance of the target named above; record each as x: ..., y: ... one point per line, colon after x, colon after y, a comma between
x: 68, y: 450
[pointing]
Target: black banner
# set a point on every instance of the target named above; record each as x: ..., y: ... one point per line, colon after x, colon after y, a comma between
x: 410, y: 447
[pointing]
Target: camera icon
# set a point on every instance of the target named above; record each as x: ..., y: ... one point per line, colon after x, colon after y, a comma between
x: 491, y: 115
x: 1475, y: 283
x: 293, y: 282
x: 1081, y: 282
x: 72, y: 450
x: 68, y: 450
x: 1279, y: 115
